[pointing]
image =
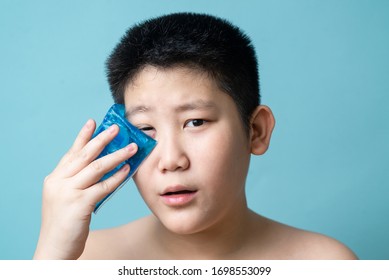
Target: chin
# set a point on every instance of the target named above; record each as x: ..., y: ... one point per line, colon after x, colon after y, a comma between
x: 182, y: 226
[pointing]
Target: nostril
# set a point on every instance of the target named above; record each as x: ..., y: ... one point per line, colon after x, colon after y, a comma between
x: 173, y: 162
x: 172, y: 154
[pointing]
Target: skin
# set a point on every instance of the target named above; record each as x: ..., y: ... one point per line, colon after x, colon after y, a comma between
x: 203, y: 148
x: 71, y: 192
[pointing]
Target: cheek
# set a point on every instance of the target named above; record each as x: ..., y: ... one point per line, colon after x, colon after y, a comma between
x: 222, y: 157
x: 142, y: 179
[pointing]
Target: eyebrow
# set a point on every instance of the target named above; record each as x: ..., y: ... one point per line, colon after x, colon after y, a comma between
x: 190, y: 106
x: 136, y: 110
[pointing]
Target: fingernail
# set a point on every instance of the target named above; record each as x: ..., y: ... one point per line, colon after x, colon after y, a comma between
x: 131, y: 147
x: 125, y: 168
x: 111, y: 129
x: 88, y: 124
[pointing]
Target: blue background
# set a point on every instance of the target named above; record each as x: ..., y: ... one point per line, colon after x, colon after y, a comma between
x: 324, y: 72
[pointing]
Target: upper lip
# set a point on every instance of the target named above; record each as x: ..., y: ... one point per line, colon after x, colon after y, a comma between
x: 176, y: 189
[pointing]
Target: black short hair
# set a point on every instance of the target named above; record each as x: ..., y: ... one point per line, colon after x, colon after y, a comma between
x: 199, y: 41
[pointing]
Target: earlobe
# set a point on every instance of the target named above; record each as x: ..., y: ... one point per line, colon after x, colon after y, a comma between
x: 261, y: 127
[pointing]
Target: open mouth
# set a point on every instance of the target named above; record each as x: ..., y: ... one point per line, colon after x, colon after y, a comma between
x: 179, y: 192
x: 178, y: 197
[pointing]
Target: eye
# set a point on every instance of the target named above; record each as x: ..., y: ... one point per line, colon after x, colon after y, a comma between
x: 148, y: 130
x: 195, y: 123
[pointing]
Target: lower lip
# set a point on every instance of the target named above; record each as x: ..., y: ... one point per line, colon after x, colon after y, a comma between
x: 178, y: 199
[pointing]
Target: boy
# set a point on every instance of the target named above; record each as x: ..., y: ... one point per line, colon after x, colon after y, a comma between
x: 191, y: 82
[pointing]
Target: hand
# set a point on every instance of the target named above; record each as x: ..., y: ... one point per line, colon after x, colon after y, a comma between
x: 72, y: 190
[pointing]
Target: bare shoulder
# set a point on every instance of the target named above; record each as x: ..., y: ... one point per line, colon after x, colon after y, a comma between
x: 121, y: 242
x: 319, y: 246
x: 292, y: 243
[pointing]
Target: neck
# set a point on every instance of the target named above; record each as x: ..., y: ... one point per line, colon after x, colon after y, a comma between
x: 223, y: 240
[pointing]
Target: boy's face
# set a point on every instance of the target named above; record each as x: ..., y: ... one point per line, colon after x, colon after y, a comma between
x: 195, y: 177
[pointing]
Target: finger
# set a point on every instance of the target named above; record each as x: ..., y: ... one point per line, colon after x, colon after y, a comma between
x: 100, y: 190
x: 84, y: 136
x: 98, y: 168
x: 81, y: 140
x: 79, y: 160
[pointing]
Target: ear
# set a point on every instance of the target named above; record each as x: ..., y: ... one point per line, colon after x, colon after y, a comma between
x: 261, y: 127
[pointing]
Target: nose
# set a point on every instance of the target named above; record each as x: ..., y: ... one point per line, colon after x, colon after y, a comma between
x: 172, y: 155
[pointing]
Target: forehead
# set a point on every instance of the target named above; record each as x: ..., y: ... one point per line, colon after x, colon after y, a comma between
x: 151, y: 76
x: 177, y: 85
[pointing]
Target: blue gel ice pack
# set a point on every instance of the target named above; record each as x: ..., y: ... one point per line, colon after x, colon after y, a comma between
x: 127, y: 134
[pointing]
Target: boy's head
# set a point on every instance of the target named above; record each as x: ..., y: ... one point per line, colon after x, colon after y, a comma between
x: 202, y: 42
x: 190, y: 81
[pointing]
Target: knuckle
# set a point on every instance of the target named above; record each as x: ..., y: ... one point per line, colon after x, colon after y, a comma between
x: 51, y: 186
x: 105, y: 186
x: 100, y: 140
x: 49, y: 180
x: 68, y: 155
x: 97, y: 166
x: 84, y: 156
